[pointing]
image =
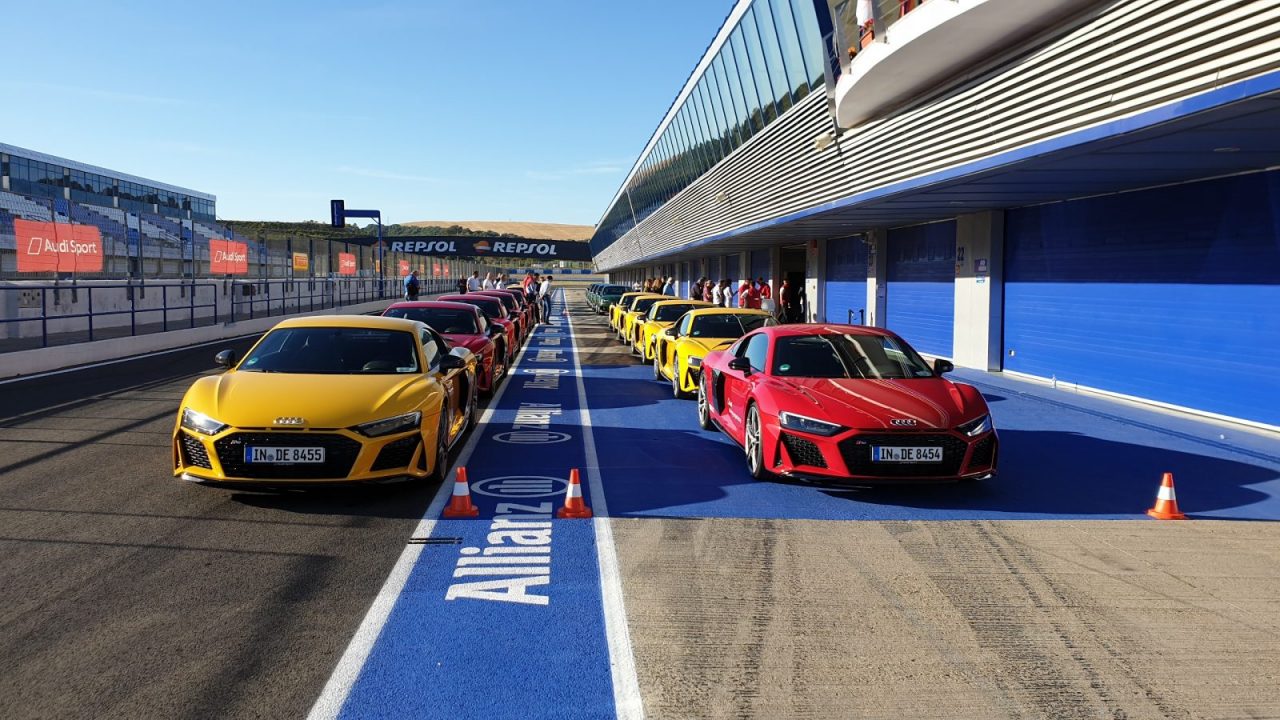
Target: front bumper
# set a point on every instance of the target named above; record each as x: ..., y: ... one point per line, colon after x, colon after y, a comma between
x: 349, y: 457
x: 846, y: 458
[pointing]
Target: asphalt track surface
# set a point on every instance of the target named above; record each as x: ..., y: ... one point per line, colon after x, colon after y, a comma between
x: 695, y: 592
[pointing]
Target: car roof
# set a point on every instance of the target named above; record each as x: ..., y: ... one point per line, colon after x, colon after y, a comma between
x: 678, y: 301
x: 716, y: 310
x: 442, y: 304
x: 808, y: 329
x: 349, y: 321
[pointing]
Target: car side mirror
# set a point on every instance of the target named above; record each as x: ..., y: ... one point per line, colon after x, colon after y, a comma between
x: 740, y: 363
x: 226, y: 358
x: 941, y: 366
x: 451, y: 362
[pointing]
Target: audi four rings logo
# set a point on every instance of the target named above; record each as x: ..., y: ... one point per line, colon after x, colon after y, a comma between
x: 902, y: 422
x: 290, y: 421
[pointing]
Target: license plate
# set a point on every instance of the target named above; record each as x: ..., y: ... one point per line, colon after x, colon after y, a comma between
x: 906, y: 454
x: 283, y: 455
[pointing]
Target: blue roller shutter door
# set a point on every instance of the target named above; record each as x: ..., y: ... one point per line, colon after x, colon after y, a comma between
x: 921, y: 296
x: 1168, y: 294
x: 760, y: 264
x: 846, y: 281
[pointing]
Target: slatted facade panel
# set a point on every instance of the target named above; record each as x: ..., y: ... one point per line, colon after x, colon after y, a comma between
x: 1118, y: 59
x: 845, y: 296
x: 921, y: 304
x: 1087, y: 302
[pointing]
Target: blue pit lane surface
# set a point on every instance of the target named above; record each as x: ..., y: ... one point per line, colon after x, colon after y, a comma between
x: 501, y: 616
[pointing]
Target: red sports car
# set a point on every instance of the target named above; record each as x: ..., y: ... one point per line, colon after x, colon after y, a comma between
x: 845, y: 403
x: 465, y: 326
x: 521, y: 315
x: 496, y: 313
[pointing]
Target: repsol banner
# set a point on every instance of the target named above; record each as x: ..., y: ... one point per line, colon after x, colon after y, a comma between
x: 447, y: 245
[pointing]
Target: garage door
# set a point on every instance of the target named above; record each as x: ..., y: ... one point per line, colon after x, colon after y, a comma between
x: 920, y: 296
x: 1168, y: 294
x: 845, y: 292
x: 760, y: 265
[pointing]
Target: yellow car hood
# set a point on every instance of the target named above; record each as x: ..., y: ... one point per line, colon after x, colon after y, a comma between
x: 254, y: 399
x: 706, y: 345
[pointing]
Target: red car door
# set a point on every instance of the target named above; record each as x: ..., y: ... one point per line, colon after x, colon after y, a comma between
x: 738, y: 383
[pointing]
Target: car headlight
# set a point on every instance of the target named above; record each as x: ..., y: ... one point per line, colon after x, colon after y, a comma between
x: 201, y: 423
x: 792, y: 421
x: 399, y: 423
x: 976, y: 427
x: 695, y: 362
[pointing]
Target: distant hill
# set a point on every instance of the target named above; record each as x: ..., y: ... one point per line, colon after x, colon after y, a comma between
x: 531, y: 230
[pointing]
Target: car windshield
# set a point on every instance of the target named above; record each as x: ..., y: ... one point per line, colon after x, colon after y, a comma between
x: 727, y: 326
x: 505, y: 299
x: 643, y: 304
x: 442, y: 320
x: 670, y: 313
x: 491, y: 307
x: 834, y: 355
x: 334, y: 351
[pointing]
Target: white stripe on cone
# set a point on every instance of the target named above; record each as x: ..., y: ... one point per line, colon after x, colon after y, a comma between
x: 1166, y: 493
x: 460, y: 488
x: 575, y: 490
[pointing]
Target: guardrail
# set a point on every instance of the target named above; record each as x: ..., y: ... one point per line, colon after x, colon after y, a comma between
x: 47, y: 298
x: 862, y: 317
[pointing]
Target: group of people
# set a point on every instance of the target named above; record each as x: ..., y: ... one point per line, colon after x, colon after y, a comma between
x: 755, y: 294
x: 536, y: 288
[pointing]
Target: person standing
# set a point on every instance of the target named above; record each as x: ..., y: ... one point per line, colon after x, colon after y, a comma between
x: 670, y: 287
x: 488, y: 283
x: 765, y: 293
x: 790, y: 302
x: 474, y: 282
x: 411, y: 286
x: 544, y: 298
x: 717, y: 293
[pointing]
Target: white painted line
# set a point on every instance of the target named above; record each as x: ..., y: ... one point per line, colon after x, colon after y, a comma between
x: 344, y: 676
x: 622, y: 662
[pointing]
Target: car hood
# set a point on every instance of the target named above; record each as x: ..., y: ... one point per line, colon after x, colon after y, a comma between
x: 252, y: 399
x: 474, y: 343
x: 932, y: 403
x: 702, y: 346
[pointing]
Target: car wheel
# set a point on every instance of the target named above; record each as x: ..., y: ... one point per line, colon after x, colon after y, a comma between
x: 439, y: 473
x: 677, y: 392
x: 473, y: 411
x: 753, y: 444
x: 657, y: 368
x: 704, y: 410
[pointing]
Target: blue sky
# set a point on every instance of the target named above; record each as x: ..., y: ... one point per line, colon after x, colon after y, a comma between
x: 434, y: 109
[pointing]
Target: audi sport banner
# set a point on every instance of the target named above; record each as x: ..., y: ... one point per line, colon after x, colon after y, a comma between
x: 346, y: 263
x: 227, y: 257
x: 452, y: 246
x: 404, y: 267
x: 57, y: 247
x: 435, y: 270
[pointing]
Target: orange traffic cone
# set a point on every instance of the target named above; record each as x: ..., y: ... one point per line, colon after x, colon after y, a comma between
x: 460, y: 504
x: 1166, y: 501
x: 574, y: 507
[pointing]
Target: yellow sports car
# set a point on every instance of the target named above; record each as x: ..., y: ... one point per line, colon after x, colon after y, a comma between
x: 619, y: 308
x: 634, y: 316
x: 337, y: 398
x: 679, y: 349
x: 662, y: 314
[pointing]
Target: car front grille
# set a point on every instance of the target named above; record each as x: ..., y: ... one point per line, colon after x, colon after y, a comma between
x: 396, y: 454
x: 339, y: 455
x: 803, y: 451
x: 983, y: 453
x: 856, y: 452
x: 193, y: 452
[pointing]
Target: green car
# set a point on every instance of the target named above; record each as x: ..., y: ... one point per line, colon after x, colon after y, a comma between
x: 607, y: 295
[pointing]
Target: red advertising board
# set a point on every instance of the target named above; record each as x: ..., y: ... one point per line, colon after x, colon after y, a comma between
x: 346, y: 263
x: 227, y: 257
x: 435, y: 270
x: 404, y: 267
x: 57, y: 247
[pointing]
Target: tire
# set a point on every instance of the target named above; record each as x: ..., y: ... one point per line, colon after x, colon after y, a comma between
x: 753, y: 445
x: 704, y: 410
x: 440, y: 473
x: 657, y: 369
x: 473, y: 409
x: 677, y: 392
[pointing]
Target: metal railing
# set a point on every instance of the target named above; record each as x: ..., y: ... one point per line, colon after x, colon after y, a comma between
x: 854, y: 29
x: 862, y: 317
x: 177, y: 297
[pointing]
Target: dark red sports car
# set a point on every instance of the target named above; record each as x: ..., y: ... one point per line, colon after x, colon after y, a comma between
x: 845, y: 403
x: 495, y: 312
x: 465, y: 326
x: 521, y: 314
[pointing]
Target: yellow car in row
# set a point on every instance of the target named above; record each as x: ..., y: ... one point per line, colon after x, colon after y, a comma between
x: 662, y: 315
x: 322, y: 399
x: 633, y: 318
x: 679, y: 349
x: 619, y: 310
